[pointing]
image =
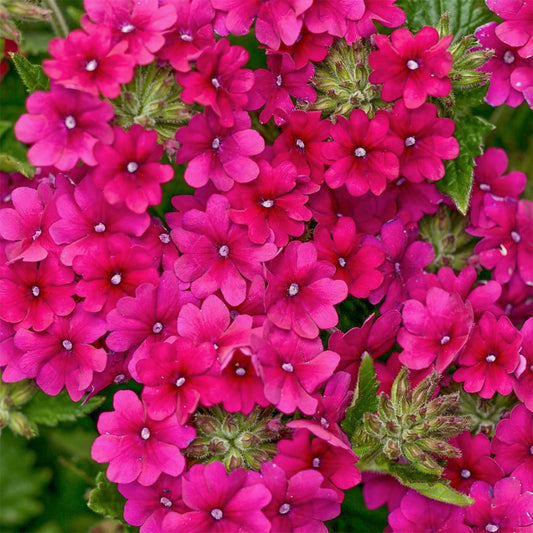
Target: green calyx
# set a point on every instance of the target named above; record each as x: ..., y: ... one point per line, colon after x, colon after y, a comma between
x: 12, y: 397
x: 235, y: 439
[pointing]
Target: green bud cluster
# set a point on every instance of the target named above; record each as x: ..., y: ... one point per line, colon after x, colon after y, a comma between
x: 464, y: 73
x: 341, y: 80
x: 153, y: 100
x: 19, y: 10
x: 12, y: 397
x: 412, y: 426
x: 445, y: 230
x: 235, y: 439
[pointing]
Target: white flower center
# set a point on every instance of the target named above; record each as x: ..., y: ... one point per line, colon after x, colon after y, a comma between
x: 180, y: 382
x: 490, y: 358
x: 119, y: 378
x: 116, y: 279
x: 186, y: 37
x: 100, y: 227
x: 37, y: 234
x: 360, y: 152
x: 484, y: 187
x: 157, y: 327
x: 410, y: 141
x: 316, y: 462
x: 164, y: 238
x: 215, y: 83
x: 284, y: 508
x: 287, y: 367
x: 127, y: 28
x: 492, y: 528
x: 503, y: 250
x: 215, y: 144
x: 67, y: 345
x: 445, y: 340
x: 515, y: 236
x: 223, y: 251
x: 35, y: 291
x: 294, y: 289
x: 465, y: 473
x: 240, y: 371
x: 412, y: 64
x: 267, y: 203
x: 165, y: 501
x: 145, y: 433
x: 70, y: 122
x: 300, y: 144
x: 279, y: 80
x: 508, y: 57
x: 132, y: 167
x: 531, y: 447
x: 91, y: 65
x: 217, y: 513
x: 342, y: 262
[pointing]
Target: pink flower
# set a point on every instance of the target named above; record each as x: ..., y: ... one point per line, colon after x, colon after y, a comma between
x: 63, y: 355
x: 363, y: 155
x: 90, y: 62
x: 381, y: 11
x: 219, y: 81
x: 128, y: 433
x: 298, y: 502
x: 220, y: 502
x: 271, y: 206
x: 308, y: 47
x: 64, y: 125
x: 512, y: 445
x: 33, y: 294
x: 490, y: 357
x: 218, y: 153
x: 292, y: 368
x: 474, y: 464
x: 355, y: 263
x: 140, y: 24
x: 523, y: 386
x: 332, y: 17
x: 129, y: 170
x: 435, y: 332
x: 217, y: 254
x: 412, y: 66
x: 175, y: 375
x: 301, y: 293
x: 418, y: 514
x: 427, y: 140
x: 504, y: 507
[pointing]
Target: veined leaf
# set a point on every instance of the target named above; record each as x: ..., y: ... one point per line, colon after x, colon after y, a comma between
x: 31, y: 75
x: 105, y: 499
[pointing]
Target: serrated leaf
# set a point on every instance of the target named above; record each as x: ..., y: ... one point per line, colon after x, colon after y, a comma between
x: 50, y: 410
x: 9, y: 164
x: 468, y: 98
x: 365, y: 399
x: 105, y: 499
x: 465, y: 16
x: 470, y: 131
x: 31, y: 75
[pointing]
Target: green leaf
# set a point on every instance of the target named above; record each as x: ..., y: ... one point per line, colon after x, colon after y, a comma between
x: 105, y: 499
x: 4, y: 126
x: 470, y: 131
x: 50, y: 410
x: 22, y: 483
x: 465, y: 15
x: 9, y: 164
x: 31, y: 75
x: 365, y: 399
x: 442, y: 493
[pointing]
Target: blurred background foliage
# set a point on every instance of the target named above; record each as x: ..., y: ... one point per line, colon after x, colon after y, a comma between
x: 45, y: 480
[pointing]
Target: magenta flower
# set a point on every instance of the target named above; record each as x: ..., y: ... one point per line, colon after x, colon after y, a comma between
x: 308, y: 47
x: 418, y: 514
x: 512, y: 445
x: 220, y: 502
x: 337, y: 465
x: 218, y: 153
x: 355, y: 263
x: 474, y: 464
x: 412, y: 66
x: 504, y: 508
x: 129, y: 170
x: 90, y: 62
x: 274, y: 87
x: 63, y: 355
x: 490, y: 357
x: 33, y: 294
x: 219, y: 81
x: 87, y: 221
x: 64, y: 125
x: 501, y: 66
x: 107, y: 277
x: 9, y: 354
x: 435, y: 332
x: 381, y: 11
x: 363, y: 155
x: 332, y: 17
x: 301, y: 293
x: 523, y: 386
x: 128, y: 433
x: 299, y: 503
x: 427, y: 140
x: 271, y: 206
x: 176, y: 378
x: 217, y: 254
x: 141, y: 24
x: 292, y: 369
x: 516, y: 29
x: 381, y: 489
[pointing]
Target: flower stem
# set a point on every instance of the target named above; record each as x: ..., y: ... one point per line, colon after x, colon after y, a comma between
x: 57, y: 20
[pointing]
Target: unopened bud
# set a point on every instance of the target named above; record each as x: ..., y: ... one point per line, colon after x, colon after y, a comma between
x: 20, y: 425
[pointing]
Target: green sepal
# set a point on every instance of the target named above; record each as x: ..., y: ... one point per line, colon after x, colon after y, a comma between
x: 31, y: 75
x: 470, y: 131
x: 365, y: 399
x: 10, y: 164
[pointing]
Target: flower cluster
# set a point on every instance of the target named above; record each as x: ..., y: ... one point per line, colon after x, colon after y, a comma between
x: 226, y: 310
